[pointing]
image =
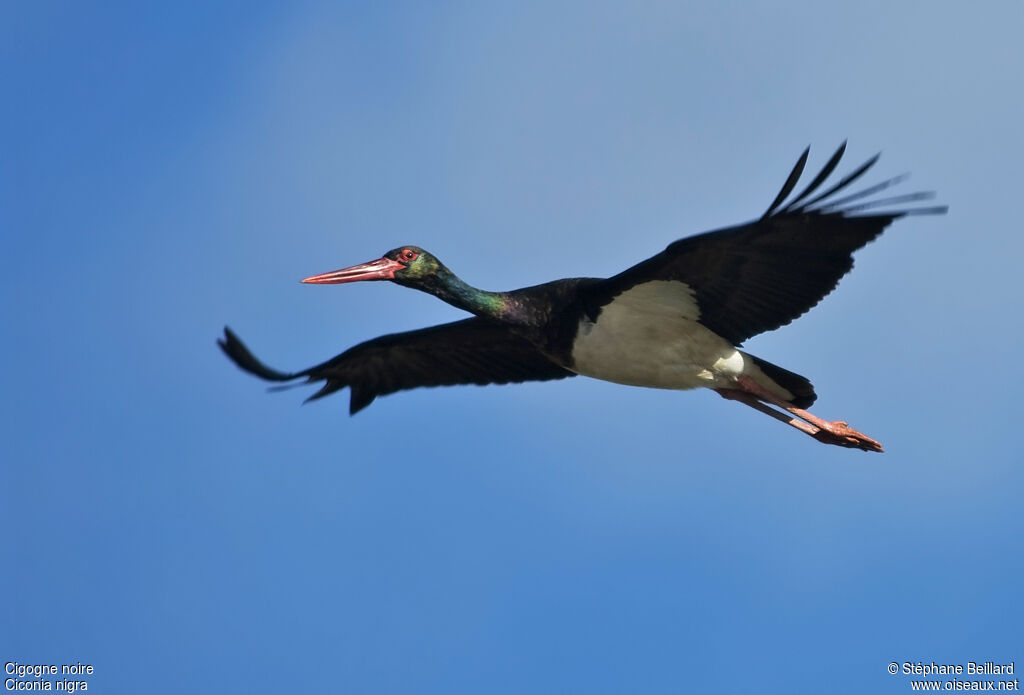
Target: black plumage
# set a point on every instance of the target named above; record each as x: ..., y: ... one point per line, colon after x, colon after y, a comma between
x: 471, y: 351
x: 761, y: 275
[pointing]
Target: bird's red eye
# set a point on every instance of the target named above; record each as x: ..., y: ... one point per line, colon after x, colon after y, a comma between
x: 408, y: 255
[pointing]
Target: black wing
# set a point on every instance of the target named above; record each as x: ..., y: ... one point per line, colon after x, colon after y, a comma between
x: 472, y: 351
x: 761, y: 275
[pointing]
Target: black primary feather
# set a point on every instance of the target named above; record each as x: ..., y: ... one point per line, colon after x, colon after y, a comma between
x: 790, y: 184
x: 820, y: 178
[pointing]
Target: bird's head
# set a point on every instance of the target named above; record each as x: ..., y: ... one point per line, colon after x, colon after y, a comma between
x: 407, y: 265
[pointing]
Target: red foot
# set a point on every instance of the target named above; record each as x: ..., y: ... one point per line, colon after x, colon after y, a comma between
x: 841, y: 434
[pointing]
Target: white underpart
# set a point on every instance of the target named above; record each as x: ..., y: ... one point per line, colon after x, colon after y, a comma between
x: 650, y: 336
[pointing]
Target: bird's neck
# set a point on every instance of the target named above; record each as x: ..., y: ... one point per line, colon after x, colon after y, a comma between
x: 496, y: 305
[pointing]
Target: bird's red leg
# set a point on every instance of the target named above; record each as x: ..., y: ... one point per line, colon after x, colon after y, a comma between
x: 753, y: 402
x: 838, y: 433
x: 827, y: 432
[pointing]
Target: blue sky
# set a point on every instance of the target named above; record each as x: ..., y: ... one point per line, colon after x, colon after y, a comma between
x: 170, y: 168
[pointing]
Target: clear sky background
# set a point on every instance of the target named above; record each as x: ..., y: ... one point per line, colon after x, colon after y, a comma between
x: 169, y: 168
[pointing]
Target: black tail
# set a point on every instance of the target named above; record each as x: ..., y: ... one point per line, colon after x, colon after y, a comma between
x: 802, y: 389
x: 240, y: 355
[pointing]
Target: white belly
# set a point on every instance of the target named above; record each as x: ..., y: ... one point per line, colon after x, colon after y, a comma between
x: 649, y: 336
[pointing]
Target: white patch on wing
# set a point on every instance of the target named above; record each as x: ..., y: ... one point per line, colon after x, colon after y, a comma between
x: 650, y: 336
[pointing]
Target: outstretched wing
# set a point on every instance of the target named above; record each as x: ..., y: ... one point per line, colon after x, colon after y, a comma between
x: 761, y: 275
x: 472, y: 351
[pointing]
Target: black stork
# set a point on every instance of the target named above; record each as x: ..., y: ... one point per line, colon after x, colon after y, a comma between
x: 673, y: 321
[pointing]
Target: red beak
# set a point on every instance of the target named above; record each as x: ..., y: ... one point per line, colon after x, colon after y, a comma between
x: 382, y: 269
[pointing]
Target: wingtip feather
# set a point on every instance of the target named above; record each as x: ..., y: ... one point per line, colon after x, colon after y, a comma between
x: 825, y: 172
x: 787, y: 187
x: 238, y: 353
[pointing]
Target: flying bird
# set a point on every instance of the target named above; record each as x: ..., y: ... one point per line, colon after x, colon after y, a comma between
x: 673, y: 321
